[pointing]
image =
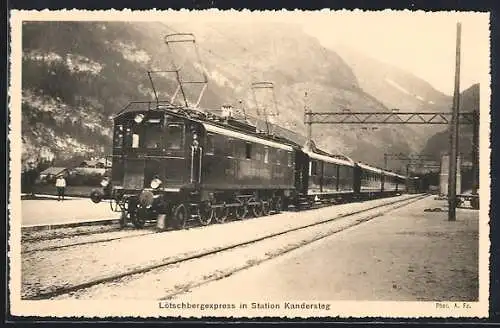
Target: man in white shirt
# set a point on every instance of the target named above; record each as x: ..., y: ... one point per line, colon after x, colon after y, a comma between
x: 60, y: 186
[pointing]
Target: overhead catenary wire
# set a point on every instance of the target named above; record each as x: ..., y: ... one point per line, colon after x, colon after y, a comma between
x: 250, y: 72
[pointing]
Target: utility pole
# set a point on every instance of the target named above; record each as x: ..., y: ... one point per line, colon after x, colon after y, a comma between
x: 475, y: 153
x: 307, y: 119
x: 452, y: 177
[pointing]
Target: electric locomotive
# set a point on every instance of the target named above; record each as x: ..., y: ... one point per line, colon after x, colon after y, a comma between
x: 178, y: 162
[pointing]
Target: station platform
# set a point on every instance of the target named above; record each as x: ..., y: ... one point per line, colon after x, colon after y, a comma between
x: 46, y: 210
x: 411, y: 254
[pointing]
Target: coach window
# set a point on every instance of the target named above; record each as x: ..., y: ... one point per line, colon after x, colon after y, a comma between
x: 278, y: 157
x: 314, y: 167
x: 248, y: 150
x: 290, y: 162
x: 266, y: 154
x: 229, y: 147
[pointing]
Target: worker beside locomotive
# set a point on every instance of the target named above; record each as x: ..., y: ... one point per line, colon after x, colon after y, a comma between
x: 184, y: 165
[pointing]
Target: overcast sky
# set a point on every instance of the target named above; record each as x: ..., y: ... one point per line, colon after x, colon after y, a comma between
x: 422, y: 43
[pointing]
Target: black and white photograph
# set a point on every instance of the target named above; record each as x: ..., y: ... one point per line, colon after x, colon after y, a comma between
x: 213, y: 163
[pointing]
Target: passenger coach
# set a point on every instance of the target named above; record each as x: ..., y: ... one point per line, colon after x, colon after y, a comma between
x: 324, y: 177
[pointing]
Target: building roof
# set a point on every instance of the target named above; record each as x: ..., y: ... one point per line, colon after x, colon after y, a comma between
x: 94, y: 162
x: 54, y: 170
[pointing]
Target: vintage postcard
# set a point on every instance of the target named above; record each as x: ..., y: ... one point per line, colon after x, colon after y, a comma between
x: 249, y: 164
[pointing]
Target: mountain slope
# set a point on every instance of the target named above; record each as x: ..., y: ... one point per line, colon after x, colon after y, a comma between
x: 397, y: 88
x: 77, y: 74
x: 394, y: 87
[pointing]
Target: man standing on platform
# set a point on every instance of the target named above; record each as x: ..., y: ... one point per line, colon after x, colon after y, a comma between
x: 31, y: 176
x: 60, y: 186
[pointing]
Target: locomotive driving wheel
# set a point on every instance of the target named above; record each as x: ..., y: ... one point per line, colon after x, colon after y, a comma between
x: 205, y: 213
x: 256, y: 209
x: 180, y: 216
x: 221, y: 213
x: 265, y: 207
x: 241, y: 211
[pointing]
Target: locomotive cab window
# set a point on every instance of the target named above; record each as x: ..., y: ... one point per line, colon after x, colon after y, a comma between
x: 153, y: 136
x: 127, y: 137
x: 174, y: 136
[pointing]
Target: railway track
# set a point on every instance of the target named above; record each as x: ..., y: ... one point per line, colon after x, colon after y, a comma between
x: 135, y: 233
x: 61, y: 233
x: 94, y: 231
x: 371, y: 212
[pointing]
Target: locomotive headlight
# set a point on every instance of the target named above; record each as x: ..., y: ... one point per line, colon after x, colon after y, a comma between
x: 138, y: 118
x: 105, y: 182
x: 155, y: 183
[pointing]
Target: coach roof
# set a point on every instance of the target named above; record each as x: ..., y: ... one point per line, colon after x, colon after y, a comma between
x: 328, y: 159
x: 369, y: 168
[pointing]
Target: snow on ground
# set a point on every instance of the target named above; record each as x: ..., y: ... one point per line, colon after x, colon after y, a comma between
x: 75, y: 63
x: 397, y: 86
x: 49, y: 57
x: 132, y: 53
x: 400, y: 88
x: 41, y: 103
x: 78, y: 63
